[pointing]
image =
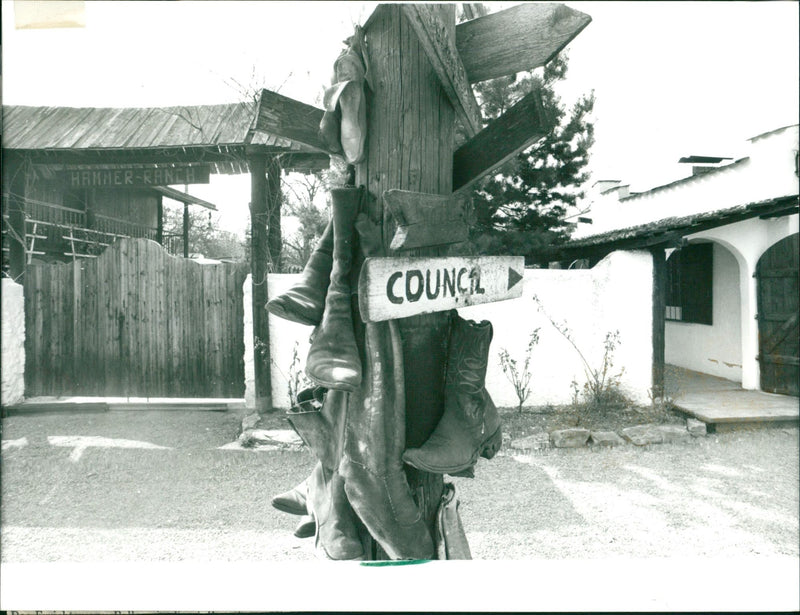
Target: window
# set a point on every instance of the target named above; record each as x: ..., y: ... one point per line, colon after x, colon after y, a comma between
x: 689, y: 284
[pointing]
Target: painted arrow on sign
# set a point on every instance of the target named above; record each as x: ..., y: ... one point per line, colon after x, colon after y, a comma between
x: 390, y: 288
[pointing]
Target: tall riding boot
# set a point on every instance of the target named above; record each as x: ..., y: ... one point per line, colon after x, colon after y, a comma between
x: 333, y: 360
x: 315, y: 431
x: 336, y: 532
x: 304, y: 302
x: 470, y: 424
x: 374, y: 438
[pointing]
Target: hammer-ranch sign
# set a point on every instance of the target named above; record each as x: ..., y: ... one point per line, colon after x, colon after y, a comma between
x: 391, y: 288
x: 136, y: 176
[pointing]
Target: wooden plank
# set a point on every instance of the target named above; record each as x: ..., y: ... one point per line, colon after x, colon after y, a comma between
x: 288, y: 118
x: 520, y: 38
x: 398, y: 287
x: 425, y: 220
x: 514, y: 131
x: 440, y: 48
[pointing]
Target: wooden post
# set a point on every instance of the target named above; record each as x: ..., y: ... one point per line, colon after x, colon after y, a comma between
x: 185, y: 230
x: 15, y: 180
x: 659, y: 318
x: 259, y: 267
x: 160, y: 220
x: 410, y: 147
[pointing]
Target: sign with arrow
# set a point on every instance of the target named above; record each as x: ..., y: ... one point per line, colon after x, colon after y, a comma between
x: 390, y: 288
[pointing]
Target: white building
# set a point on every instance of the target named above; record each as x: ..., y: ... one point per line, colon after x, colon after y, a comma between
x: 725, y: 246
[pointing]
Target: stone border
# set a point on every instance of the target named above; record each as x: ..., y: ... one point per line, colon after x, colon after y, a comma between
x: 639, y: 435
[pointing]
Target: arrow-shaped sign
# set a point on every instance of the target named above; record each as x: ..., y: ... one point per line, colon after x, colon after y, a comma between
x: 425, y: 220
x: 390, y: 288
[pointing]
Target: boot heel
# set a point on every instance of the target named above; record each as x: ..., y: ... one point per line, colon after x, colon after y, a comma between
x: 493, y: 444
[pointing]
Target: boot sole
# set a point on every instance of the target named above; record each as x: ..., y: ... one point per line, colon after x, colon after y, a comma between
x: 290, y: 509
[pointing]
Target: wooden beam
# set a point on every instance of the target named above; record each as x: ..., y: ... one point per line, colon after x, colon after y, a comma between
x: 659, y: 319
x: 523, y: 37
x: 288, y: 118
x: 440, y: 48
x: 519, y: 127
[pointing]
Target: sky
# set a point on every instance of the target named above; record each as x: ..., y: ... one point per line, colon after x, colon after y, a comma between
x: 670, y: 78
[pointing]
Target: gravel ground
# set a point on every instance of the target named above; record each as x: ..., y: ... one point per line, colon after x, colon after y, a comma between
x: 722, y: 495
x: 728, y: 501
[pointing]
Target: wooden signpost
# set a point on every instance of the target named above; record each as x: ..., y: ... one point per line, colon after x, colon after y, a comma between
x: 421, y: 67
x: 390, y: 288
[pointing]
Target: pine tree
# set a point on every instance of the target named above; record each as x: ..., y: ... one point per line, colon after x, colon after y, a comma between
x: 522, y: 209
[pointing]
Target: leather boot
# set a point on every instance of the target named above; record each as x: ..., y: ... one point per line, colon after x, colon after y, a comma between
x: 336, y: 532
x: 306, y: 528
x: 374, y: 438
x: 316, y: 432
x: 470, y: 425
x: 304, y: 302
x: 333, y: 360
x: 293, y: 501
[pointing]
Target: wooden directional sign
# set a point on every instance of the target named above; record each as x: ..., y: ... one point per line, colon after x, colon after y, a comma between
x: 443, y: 56
x: 288, y: 118
x: 519, y: 127
x: 390, y: 288
x: 425, y: 220
x: 523, y: 37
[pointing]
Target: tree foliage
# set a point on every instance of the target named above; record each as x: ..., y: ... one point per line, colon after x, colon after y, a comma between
x: 205, y: 236
x: 522, y: 208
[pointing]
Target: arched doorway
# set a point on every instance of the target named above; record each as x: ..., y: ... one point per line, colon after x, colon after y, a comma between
x: 778, y: 272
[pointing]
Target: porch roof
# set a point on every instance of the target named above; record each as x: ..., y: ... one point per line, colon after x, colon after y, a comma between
x: 668, y: 232
x: 218, y: 134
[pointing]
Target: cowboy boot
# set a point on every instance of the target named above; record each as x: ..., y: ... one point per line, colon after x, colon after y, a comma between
x: 333, y: 360
x: 305, y: 301
x: 308, y: 422
x: 306, y: 528
x: 293, y: 501
x: 336, y: 530
x: 470, y: 425
x: 374, y: 438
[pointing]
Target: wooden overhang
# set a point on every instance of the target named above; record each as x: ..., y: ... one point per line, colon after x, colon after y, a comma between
x: 218, y: 135
x: 667, y: 232
x: 183, y: 197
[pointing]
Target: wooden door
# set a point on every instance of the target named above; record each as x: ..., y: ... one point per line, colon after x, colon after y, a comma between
x: 778, y: 312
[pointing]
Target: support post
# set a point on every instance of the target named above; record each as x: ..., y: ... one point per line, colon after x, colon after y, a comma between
x: 259, y: 268
x: 659, y: 318
x: 185, y: 230
x: 274, y: 202
x: 160, y: 219
x: 410, y: 147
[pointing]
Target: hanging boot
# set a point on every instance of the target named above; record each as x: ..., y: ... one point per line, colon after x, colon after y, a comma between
x: 470, y: 425
x: 315, y: 431
x: 336, y: 530
x: 305, y: 301
x: 306, y: 528
x: 333, y: 360
x: 293, y: 501
x: 374, y: 438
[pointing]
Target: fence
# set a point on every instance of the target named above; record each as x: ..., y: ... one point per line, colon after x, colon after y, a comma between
x: 134, y: 322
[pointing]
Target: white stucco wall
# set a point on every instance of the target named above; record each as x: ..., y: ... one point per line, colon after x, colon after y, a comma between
x: 614, y: 295
x: 712, y: 349
x: 13, y: 343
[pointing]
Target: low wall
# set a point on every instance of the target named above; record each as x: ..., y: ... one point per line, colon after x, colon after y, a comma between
x: 13, y: 343
x: 614, y: 295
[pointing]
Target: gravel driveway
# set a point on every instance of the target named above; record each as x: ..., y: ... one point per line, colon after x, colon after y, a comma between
x: 731, y: 495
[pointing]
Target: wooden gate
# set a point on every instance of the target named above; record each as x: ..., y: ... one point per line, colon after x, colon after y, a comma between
x: 778, y: 310
x: 134, y: 322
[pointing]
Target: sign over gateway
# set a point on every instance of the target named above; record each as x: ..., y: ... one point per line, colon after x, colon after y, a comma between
x: 390, y: 288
